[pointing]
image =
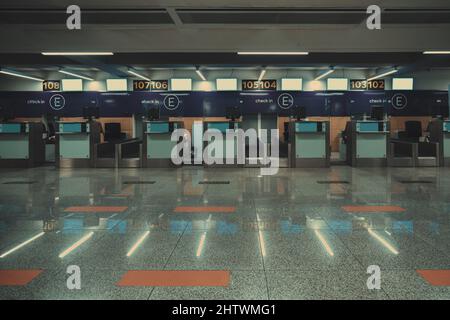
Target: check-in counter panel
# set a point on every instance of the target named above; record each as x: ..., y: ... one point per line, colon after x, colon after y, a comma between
x: 75, y: 142
x: 310, y: 144
x: 21, y: 144
x: 157, y: 143
x: 368, y: 143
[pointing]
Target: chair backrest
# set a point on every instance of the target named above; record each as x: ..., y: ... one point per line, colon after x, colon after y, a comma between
x: 413, y: 129
x: 112, y: 131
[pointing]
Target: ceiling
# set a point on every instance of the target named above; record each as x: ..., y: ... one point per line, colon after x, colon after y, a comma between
x: 146, y: 34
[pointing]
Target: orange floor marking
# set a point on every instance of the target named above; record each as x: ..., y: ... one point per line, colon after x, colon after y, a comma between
x: 17, y: 277
x: 95, y: 209
x: 373, y: 209
x: 167, y: 278
x: 436, y: 277
x: 204, y: 209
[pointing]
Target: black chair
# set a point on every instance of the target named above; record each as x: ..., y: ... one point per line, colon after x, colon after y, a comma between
x: 113, y: 132
x: 413, y: 131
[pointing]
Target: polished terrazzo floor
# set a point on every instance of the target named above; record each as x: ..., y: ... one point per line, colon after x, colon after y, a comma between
x: 301, y: 234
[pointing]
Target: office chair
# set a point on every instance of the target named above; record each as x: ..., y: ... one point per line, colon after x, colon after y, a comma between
x: 413, y: 131
x: 113, y: 132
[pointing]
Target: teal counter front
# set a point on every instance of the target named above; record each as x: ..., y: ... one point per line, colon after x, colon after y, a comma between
x: 439, y: 131
x: 21, y: 144
x: 309, y: 144
x: 157, y: 144
x: 228, y: 154
x: 368, y: 143
x: 75, y: 142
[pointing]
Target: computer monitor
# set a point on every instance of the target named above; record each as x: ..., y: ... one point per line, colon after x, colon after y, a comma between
x: 6, y: 114
x: 439, y: 112
x: 233, y: 113
x: 153, y: 114
x: 91, y: 113
x: 377, y: 113
x: 300, y: 113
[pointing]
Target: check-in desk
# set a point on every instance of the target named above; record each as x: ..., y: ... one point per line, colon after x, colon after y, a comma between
x: 229, y: 152
x: 75, y: 144
x: 403, y: 153
x: 367, y: 143
x: 157, y: 144
x: 309, y: 144
x: 440, y: 133
x: 21, y: 145
x: 118, y: 154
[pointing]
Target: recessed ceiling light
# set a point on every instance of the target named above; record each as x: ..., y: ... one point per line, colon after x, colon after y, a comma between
x: 436, y: 52
x: 279, y: 53
x: 77, y: 53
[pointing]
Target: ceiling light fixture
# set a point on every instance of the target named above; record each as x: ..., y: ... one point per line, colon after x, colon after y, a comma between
x: 200, y: 74
x: 383, y: 75
x: 324, y: 74
x: 138, y: 75
x: 75, y: 75
x: 436, y: 52
x: 280, y: 53
x: 261, y: 75
x: 77, y: 53
x: 15, y: 74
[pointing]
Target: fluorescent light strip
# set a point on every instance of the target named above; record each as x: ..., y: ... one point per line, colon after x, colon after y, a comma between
x: 201, y: 245
x: 20, y: 75
x: 261, y: 75
x: 77, y: 53
x: 75, y: 75
x: 324, y: 243
x: 436, y: 52
x: 76, y: 245
x: 138, y: 75
x: 383, y: 75
x: 382, y: 241
x: 280, y: 53
x: 324, y: 75
x: 261, y: 237
x: 200, y: 74
x: 22, y: 245
x: 203, y: 237
x: 138, y: 243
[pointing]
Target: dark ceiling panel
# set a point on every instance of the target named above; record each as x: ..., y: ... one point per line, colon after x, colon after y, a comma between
x: 272, y: 16
x: 418, y: 16
x: 90, y: 17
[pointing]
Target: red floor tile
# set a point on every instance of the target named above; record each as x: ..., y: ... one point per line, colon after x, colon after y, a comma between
x: 17, y: 277
x: 204, y: 209
x: 436, y: 277
x: 373, y: 209
x: 167, y: 278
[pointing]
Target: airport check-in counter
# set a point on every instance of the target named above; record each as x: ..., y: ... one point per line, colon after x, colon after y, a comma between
x: 223, y: 126
x: 309, y: 144
x: 21, y: 144
x: 367, y: 143
x: 75, y: 144
x: 403, y: 153
x: 118, y: 154
x: 157, y: 144
x: 440, y: 133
